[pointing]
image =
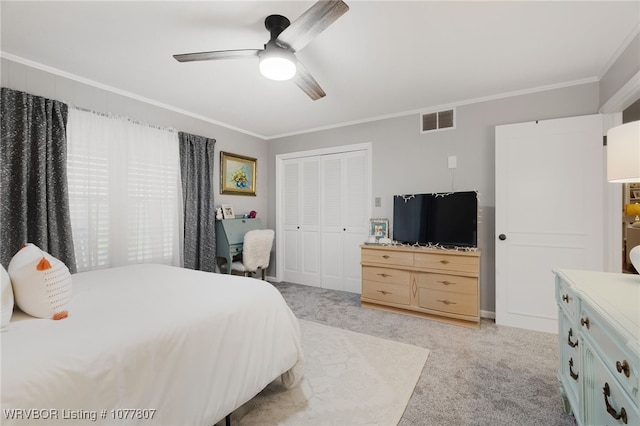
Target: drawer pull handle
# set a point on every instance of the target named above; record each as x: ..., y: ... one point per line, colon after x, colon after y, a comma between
x: 383, y: 275
x: 572, y: 344
x: 444, y: 262
x: 384, y: 292
x: 385, y: 256
x: 447, y: 302
x: 585, y: 321
x: 573, y: 375
x: 623, y: 366
x: 446, y: 282
x: 565, y: 297
x: 623, y: 413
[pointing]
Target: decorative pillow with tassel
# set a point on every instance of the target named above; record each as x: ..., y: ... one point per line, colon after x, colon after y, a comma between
x: 41, y: 283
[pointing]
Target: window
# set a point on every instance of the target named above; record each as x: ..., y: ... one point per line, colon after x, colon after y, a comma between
x: 124, y: 192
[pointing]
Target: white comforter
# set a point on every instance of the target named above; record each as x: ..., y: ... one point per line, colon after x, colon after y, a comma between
x: 151, y: 345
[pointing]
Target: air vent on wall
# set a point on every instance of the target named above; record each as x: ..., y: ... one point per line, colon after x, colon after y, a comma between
x: 439, y: 120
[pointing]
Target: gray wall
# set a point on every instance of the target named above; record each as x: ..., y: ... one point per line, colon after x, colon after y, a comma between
x: 31, y: 80
x: 405, y: 161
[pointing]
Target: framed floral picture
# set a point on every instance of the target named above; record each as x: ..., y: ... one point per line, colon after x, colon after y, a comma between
x: 379, y: 228
x: 237, y: 174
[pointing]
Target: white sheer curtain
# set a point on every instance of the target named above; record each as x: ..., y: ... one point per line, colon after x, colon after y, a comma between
x: 125, y: 192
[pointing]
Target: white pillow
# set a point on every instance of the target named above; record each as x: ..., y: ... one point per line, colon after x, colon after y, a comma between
x: 6, y: 296
x: 41, y: 283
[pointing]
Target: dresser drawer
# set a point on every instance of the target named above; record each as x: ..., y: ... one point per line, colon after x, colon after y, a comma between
x: 613, y: 351
x: 565, y: 298
x: 387, y: 257
x: 446, y: 301
x: 385, y: 292
x: 451, y: 283
x: 386, y: 275
x: 448, y: 262
x: 605, y: 399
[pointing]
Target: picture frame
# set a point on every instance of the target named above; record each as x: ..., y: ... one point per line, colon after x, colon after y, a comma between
x: 379, y: 228
x: 227, y: 211
x: 237, y: 174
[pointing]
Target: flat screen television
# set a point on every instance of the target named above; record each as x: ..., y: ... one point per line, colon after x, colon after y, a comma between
x: 445, y: 219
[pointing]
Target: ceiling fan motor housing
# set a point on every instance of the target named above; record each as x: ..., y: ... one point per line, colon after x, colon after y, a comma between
x: 276, y: 24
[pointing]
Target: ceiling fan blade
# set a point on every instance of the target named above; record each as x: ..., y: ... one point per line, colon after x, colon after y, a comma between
x: 218, y: 54
x: 307, y: 83
x: 311, y: 23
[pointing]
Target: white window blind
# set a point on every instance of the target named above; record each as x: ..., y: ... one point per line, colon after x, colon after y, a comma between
x: 124, y: 192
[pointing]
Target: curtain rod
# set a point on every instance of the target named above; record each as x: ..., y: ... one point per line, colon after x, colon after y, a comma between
x: 124, y: 117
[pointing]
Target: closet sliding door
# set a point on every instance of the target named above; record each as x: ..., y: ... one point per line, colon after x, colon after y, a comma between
x: 344, y: 219
x: 323, y: 214
x: 301, y: 212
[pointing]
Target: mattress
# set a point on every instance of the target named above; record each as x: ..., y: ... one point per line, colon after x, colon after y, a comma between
x: 151, y: 345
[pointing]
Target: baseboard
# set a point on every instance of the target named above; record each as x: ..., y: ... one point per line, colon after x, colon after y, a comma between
x: 487, y: 314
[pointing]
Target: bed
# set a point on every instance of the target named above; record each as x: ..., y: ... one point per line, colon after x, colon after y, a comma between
x: 150, y: 345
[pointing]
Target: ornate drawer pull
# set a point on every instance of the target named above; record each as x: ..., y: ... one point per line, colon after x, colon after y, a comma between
x: 565, y: 297
x: 384, y: 292
x: 623, y: 366
x: 623, y: 413
x: 572, y: 344
x: 446, y: 282
x: 585, y: 321
x: 573, y: 375
x: 446, y: 302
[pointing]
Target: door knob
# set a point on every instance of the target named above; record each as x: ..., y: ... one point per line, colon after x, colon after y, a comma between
x: 502, y: 237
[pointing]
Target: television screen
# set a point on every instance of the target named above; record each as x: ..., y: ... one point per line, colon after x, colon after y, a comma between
x: 447, y: 219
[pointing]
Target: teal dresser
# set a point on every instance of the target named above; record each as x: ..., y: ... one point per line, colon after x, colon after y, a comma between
x: 599, y: 342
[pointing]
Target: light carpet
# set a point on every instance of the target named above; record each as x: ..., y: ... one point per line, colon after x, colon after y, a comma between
x: 349, y: 379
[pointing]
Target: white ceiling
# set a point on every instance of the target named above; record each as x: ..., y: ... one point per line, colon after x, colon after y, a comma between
x: 380, y: 59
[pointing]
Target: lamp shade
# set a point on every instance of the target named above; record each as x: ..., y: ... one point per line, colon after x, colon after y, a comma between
x: 277, y: 64
x: 623, y: 153
x: 632, y: 209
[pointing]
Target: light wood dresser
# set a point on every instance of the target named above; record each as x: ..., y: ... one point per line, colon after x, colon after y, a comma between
x: 599, y: 338
x: 429, y: 283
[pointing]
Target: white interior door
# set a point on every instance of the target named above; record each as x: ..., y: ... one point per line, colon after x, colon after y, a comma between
x: 301, y: 181
x: 549, y: 213
x: 345, y: 195
x: 322, y: 215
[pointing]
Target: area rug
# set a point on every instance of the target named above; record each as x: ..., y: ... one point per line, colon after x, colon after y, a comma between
x: 350, y: 379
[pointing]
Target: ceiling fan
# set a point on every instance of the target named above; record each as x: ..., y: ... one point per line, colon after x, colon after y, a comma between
x: 277, y: 59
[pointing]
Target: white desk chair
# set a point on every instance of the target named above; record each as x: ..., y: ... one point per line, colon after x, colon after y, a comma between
x: 256, y: 252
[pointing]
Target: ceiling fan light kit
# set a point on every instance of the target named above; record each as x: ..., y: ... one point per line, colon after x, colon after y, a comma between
x: 277, y: 60
x: 277, y: 64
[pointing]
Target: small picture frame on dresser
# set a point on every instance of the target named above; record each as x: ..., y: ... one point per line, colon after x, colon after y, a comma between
x: 378, y: 228
x: 227, y: 211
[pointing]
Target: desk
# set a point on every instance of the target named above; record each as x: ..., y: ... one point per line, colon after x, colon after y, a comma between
x: 230, y: 237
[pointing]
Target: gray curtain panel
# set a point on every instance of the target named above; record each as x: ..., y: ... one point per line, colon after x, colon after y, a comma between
x: 196, y: 168
x: 34, y: 200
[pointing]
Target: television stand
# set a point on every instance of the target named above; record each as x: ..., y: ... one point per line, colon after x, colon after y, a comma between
x: 432, y: 283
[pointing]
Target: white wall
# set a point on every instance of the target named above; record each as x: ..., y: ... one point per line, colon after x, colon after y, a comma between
x: 38, y: 82
x: 405, y: 161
